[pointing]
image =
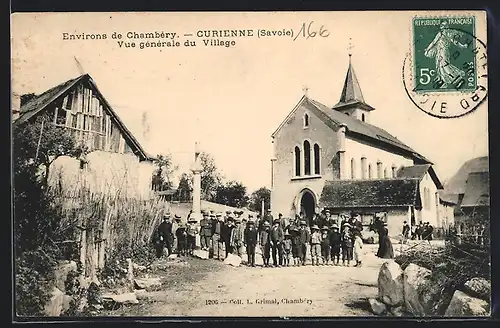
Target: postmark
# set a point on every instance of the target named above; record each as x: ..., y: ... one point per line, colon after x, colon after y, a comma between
x: 445, y: 73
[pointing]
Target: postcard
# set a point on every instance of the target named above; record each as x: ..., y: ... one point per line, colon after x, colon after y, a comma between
x: 250, y: 164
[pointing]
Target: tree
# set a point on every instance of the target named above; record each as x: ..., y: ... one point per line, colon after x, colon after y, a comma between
x: 257, y: 197
x: 162, y: 175
x: 185, y: 189
x: 211, y: 178
x: 233, y: 194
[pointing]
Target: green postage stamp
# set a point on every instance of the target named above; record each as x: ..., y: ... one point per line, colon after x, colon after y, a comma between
x: 444, y: 57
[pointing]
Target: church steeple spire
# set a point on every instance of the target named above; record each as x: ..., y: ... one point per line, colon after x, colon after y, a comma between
x: 351, y: 100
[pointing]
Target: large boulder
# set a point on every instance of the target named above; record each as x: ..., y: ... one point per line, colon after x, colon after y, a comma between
x: 417, y: 294
x: 478, y: 287
x: 463, y: 305
x: 377, y: 307
x: 390, y: 284
x: 147, y: 283
x: 54, y: 307
x: 201, y: 254
x: 120, y: 299
x: 61, y: 273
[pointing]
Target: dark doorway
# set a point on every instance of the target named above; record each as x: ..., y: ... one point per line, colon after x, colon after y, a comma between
x: 307, y: 205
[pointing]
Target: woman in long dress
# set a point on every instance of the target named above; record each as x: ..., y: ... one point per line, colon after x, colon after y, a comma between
x: 439, y: 48
x: 385, y: 250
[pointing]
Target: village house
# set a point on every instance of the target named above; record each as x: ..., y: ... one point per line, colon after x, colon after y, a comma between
x: 332, y: 157
x: 114, y: 161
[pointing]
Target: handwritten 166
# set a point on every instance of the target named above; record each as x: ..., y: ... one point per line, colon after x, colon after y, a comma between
x: 308, y: 31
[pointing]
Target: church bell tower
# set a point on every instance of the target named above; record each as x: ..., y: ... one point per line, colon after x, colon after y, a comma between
x: 351, y: 100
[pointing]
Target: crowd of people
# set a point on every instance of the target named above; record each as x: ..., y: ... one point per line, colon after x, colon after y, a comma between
x: 287, y: 242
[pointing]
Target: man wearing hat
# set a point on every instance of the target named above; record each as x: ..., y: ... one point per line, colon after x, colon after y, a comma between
x: 217, y: 243
x: 165, y: 234
x: 191, y: 234
x: 205, y: 231
x: 315, y: 245
x: 237, y: 237
x: 175, y: 226
x: 268, y: 216
x: 265, y: 243
x: 277, y: 237
x: 226, y: 231
x: 327, y: 220
x: 335, y: 242
x: 356, y: 223
x: 281, y: 221
x: 305, y: 238
x: 250, y: 239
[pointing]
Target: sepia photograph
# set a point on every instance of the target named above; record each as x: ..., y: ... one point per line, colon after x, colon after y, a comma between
x: 250, y: 164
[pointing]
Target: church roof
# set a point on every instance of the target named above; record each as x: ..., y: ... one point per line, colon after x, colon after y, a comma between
x: 39, y: 103
x: 351, y: 93
x: 418, y: 172
x: 477, y: 190
x: 363, y: 129
x: 371, y: 193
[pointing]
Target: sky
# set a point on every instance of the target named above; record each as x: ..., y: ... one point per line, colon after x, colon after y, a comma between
x: 231, y: 100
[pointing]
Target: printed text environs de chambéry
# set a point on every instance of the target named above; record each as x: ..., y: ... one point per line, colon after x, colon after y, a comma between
x: 205, y: 38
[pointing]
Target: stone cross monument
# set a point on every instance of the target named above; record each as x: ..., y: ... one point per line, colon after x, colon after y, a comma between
x: 196, y: 169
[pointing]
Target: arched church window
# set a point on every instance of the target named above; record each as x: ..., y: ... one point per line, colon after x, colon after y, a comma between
x: 370, y: 175
x: 386, y: 173
x: 306, y: 120
x: 297, y: 161
x: 394, y: 171
x: 317, y: 159
x: 353, y: 168
x: 307, y: 158
x: 363, y: 117
x: 363, y: 168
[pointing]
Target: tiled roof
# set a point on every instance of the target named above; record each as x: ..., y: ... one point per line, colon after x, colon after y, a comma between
x: 362, y: 128
x: 477, y: 190
x: 415, y: 171
x: 371, y: 193
x: 40, y: 102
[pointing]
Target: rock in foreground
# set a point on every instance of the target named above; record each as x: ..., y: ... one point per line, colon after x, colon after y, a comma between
x: 377, y: 307
x: 390, y: 284
x: 463, y: 305
x: 417, y: 301
x: 478, y: 287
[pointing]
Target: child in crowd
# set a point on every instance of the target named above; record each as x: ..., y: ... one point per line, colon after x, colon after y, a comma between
x: 358, y: 245
x: 335, y: 241
x: 315, y: 245
x: 191, y: 231
x: 287, y: 248
x: 265, y: 243
x: 296, y: 246
x: 325, y: 246
x: 181, y: 235
x: 347, y: 245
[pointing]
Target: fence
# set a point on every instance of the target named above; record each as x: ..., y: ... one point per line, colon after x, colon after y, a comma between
x: 101, y: 223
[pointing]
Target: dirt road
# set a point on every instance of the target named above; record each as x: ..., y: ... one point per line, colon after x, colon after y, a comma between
x: 210, y: 288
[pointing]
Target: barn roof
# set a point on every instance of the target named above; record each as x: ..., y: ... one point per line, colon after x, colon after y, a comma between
x: 477, y: 190
x: 37, y: 105
x: 371, y: 193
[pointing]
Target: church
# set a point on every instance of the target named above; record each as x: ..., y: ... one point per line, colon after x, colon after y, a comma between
x: 331, y: 157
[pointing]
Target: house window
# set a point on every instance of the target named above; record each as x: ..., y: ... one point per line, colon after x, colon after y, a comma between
x: 363, y: 117
x: 306, y: 120
x: 370, y: 171
x: 307, y: 158
x: 386, y: 173
x: 363, y: 168
x: 317, y: 160
x: 297, y: 161
x: 353, y: 168
x: 379, y: 170
x: 394, y: 171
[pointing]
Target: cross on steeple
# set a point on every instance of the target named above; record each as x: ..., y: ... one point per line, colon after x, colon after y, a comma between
x: 305, y: 89
x: 350, y: 47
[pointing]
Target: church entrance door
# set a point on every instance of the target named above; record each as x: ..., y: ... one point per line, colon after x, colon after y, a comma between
x: 307, y: 205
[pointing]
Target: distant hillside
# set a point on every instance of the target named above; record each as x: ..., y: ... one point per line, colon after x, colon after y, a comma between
x: 456, y: 184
